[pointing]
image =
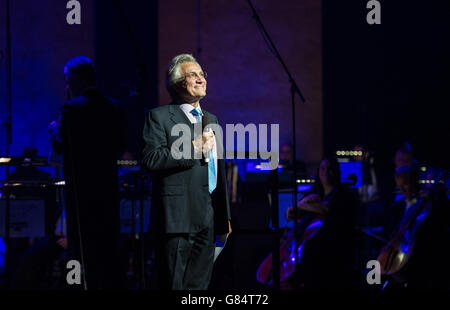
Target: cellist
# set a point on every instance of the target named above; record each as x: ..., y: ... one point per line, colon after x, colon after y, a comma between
x: 426, y: 267
x: 329, y: 257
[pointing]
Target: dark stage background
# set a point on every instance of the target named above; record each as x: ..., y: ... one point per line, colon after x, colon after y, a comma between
x: 387, y: 84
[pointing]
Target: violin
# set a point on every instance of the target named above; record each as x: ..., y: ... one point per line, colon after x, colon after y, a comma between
x: 397, y: 252
x: 311, y: 224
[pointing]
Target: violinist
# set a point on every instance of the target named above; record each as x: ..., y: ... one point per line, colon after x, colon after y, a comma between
x: 328, y: 259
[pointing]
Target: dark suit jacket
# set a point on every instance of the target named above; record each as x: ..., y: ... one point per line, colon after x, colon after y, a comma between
x: 181, y: 199
x: 91, y: 135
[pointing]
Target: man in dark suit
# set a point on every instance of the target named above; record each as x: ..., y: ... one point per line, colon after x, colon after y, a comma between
x: 90, y: 133
x: 190, y: 202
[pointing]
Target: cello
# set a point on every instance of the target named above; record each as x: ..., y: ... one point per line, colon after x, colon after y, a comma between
x: 397, y: 252
x: 308, y: 225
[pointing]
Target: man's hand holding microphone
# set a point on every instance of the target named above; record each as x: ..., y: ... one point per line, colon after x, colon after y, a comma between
x: 204, y: 144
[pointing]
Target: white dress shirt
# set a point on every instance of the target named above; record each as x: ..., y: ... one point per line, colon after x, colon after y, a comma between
x: 187, y: 108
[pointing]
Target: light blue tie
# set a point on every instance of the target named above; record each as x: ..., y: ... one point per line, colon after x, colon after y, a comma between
x: 211, y: 170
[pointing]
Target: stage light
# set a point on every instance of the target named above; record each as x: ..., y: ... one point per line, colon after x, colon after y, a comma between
x: 123, y: 162
x: 305, y: 181
x: 5, y: 159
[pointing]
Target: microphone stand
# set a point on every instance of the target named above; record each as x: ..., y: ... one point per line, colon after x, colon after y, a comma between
x: 8, y: 125
x: 293, y: 90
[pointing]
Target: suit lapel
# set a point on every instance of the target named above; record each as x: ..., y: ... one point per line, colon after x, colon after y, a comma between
x: 206, y: 114
x: 177, y: 115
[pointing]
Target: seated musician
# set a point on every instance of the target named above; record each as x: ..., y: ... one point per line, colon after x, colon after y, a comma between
x: 426, y: 266
x: 407, y: 182
x: 328, y: 259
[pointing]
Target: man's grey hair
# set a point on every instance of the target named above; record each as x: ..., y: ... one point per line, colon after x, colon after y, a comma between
x: 173, y: 74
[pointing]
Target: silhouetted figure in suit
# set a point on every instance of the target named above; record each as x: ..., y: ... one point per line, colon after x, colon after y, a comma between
x: 90, y: 134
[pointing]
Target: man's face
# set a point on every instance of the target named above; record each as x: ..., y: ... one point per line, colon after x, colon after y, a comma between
x: 405, y: 185
x: 194, y: 84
